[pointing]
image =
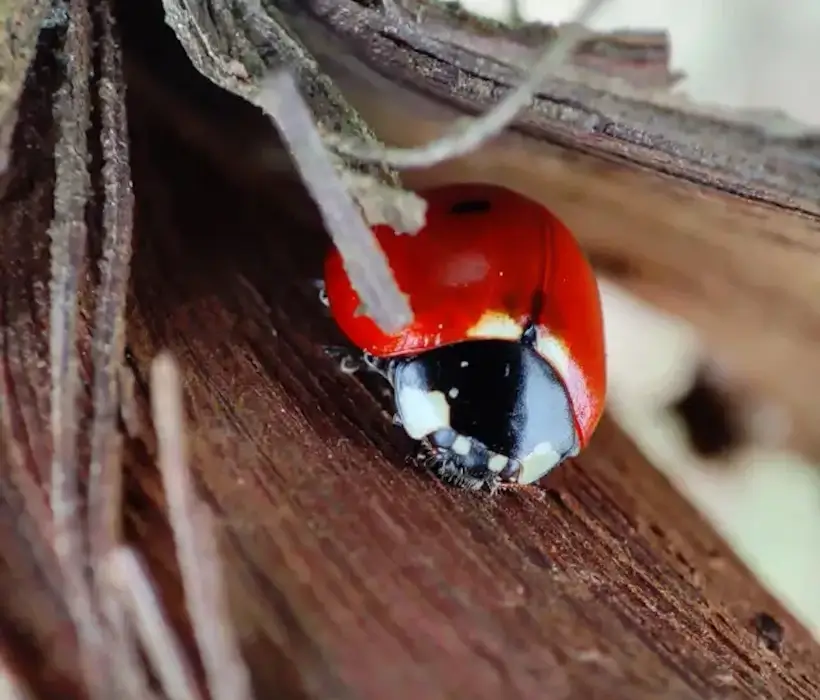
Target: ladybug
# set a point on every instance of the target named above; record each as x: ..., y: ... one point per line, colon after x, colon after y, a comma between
x: 501, y: 375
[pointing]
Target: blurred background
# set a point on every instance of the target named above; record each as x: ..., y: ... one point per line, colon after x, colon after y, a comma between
x: 748, y: 54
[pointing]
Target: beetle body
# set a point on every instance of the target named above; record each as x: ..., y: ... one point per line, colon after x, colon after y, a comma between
x: 501, y: 373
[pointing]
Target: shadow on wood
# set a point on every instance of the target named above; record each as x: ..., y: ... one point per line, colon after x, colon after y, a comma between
x: 352, y: 574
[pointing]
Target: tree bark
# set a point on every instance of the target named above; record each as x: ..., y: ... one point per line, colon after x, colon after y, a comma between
x: 350, y: 573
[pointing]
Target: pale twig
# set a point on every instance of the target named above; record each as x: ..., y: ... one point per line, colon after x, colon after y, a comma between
x: 12, y: 687
x: 68, y: 234
x: 131, y: 673
x: 108, y: 341
x: 197, y: 553
x: 515, y: 17
x: 126, y: 574
x: 365, y: 261
x: 460, y: 139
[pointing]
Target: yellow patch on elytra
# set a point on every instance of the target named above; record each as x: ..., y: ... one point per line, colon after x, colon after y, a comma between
x: 496, y: 324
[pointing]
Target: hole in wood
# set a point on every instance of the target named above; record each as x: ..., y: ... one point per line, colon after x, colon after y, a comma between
x: 709, y: 419
x: 769, y: 630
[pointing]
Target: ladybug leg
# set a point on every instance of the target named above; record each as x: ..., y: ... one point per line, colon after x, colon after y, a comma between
x: 349, y: 361
x: 449, y: 472
x: 353, y: 361
x: 375, y: 364
x: 322, y: 292
x: 459, y: 477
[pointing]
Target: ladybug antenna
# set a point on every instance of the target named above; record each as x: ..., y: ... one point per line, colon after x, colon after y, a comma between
x: 530, y: 334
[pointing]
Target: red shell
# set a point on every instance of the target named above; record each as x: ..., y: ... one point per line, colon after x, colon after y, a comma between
x: 489, y: 253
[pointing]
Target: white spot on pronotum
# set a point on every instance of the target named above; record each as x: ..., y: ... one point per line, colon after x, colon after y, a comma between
x: 453, y: 393
x: 554, y: 351
x: 422, y: 412
x: 494, y: 324
x: 507, y: 370
x: 461, y: 446
x: 539, y: 462
x: 497, y: 463
x: 464, y: 363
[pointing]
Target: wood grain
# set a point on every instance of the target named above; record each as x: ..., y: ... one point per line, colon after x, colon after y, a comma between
x: 351, y: 573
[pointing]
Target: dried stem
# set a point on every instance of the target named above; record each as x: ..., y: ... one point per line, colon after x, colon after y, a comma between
x: 365, y: 261
x: 125, y: 572
x: 68, y: 234
x: 107, y: 351
x: 105, y: 475
x: 466, y: 137
x: 198, y: 556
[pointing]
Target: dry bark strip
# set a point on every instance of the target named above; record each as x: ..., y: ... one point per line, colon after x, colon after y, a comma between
x: 349, y: 573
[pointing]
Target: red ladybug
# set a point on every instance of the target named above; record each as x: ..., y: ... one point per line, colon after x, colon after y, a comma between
x: 502, y: 372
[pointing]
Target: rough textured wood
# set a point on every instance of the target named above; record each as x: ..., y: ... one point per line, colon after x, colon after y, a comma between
x: 351, y: 574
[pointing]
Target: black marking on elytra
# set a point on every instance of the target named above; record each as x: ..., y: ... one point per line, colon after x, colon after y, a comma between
x: 509, y: 398
x: 471, y: 206
x: 537, y: 304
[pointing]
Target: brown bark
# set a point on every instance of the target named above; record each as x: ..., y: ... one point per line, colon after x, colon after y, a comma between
x: 350, y: 574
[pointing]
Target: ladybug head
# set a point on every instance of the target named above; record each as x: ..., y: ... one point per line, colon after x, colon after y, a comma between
x: 489, y: 410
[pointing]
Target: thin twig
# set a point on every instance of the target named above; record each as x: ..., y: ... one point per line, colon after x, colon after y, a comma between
x: 12, y: 686
x: 365, y: 261
x: 126, y: 573
x: 198, y: 556
x: 131, y: 673
x: 515, y: 17
x: 108, y: 340
x: 460, y: 139
x: 68, y: 234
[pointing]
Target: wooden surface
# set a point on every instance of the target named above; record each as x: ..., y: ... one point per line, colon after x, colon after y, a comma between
x: 350, y: 573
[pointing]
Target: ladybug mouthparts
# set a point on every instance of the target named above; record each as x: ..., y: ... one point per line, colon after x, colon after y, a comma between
x: 465, y: 460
